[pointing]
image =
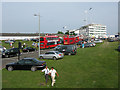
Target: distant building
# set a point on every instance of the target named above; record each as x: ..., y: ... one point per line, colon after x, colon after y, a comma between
x: 96, y: 30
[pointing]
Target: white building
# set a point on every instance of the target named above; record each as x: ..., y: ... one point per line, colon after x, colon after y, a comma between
x: 93, y: 30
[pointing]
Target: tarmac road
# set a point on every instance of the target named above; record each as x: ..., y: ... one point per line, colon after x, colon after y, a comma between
x: 33, y: 54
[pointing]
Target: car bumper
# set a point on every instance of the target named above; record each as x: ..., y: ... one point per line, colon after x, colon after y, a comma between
x: 41, y: 66
x: 60, y: 57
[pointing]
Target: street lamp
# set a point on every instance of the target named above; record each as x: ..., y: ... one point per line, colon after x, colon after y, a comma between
x: 39, y: 32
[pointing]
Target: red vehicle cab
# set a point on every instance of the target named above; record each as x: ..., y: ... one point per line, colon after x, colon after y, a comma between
x: 67, y: 40
x: 49, y: 42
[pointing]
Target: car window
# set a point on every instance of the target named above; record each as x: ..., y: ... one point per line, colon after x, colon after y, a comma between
x: 57, y: 52
x: 47, y: 53
x: 28, y: 62
x: 51, y: 53
x: 64, y: 47
x: 21, y: 62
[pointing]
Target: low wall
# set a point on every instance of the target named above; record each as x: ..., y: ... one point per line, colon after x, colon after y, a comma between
x: 16, y: 37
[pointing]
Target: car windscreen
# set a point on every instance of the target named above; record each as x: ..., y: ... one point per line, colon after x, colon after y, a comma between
x: 57, y: 52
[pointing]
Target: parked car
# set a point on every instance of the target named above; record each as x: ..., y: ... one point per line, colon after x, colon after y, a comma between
x: 35, y: 40
x: 26, y: 64
x: 10, y: 41
x: 119, y: 48
x: 90, y: 44
x: 98, y: 41
x: 28, y: 49
x: 10, y: 52
x: 57, y: 47
x: 80, y: 43
x: 52, y: 55
x: 67, y: 49
x: 26, y: 39
x: 1, y: 48
x: 110, y: 40
x: 93, y: 44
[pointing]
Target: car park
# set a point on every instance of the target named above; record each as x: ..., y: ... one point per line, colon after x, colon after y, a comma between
x: 67, y: 49
x: 51, y: 55
x: 10, y: 52
x: 10, y: 41
x: 26, y: 64
x: 28, y: 49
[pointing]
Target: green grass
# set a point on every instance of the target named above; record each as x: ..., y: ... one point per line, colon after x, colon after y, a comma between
x: 95, y: 67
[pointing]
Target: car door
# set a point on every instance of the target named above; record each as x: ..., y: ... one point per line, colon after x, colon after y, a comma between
x: 20, y: 65
x: 46, y: 55
x: 51, y: 55
x: 28, y: 64
x: 11, y: 52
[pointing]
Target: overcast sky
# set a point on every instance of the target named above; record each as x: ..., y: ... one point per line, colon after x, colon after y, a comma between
x: 19, y: 17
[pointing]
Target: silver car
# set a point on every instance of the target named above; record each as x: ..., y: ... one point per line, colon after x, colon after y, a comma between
x: 98, y: 41
x: 52, y: 55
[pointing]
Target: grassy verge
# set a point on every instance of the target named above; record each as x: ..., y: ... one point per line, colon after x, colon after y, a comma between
x: 95, y: 67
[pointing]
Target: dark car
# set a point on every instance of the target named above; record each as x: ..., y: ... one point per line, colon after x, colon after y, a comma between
x: 35, y: 40
x: 67, y: 49
x: 10, y: 52
x: 10, y: 41
x: 28, y: 49
x: 91, y: 44
x: 88, y: 45
x: 80, y: 43
x: 110, y: 40
x: 26, y: 64
x: 119, y: 48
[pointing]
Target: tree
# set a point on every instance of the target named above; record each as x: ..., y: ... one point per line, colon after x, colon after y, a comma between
x: 60, y: 32
x: 67, y: 33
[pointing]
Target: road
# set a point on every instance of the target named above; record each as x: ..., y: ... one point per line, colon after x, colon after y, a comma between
x: 33, y: 54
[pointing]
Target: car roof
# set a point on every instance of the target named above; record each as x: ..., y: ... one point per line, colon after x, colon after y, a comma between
x: 52, y: 51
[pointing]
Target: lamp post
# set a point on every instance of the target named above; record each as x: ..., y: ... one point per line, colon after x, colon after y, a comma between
x: 39, y: 32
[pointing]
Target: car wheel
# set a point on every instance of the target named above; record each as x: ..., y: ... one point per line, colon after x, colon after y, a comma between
x: 33, y: 68
x: 7, y: 56
x: 41, y: 57
x: 69, y: 54
x: 54, y: 58
x: 10, y: 68
x: 17, y: 54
